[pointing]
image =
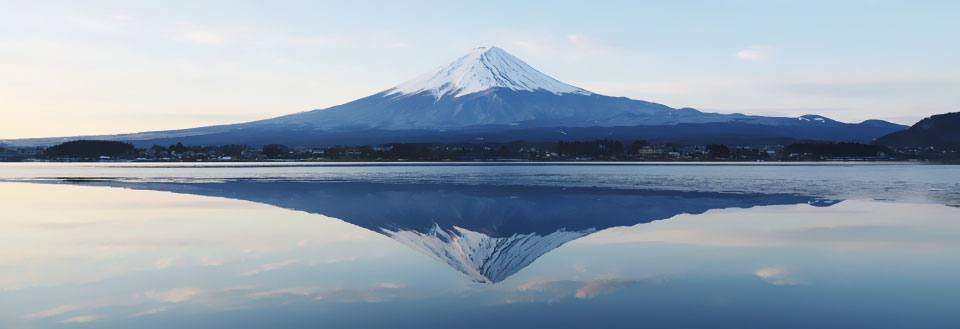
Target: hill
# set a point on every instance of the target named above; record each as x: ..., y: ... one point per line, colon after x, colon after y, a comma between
x: 940, y: 131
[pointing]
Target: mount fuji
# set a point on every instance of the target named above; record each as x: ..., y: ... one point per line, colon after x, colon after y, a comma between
x: 490, y: 95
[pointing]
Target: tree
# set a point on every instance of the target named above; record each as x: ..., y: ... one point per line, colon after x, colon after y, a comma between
x: 717, y: 151
x: 178, y: 148
x: 275, y: 150
x: 233, y: 150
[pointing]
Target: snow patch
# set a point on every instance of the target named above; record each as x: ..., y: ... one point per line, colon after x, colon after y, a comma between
x: 481, y: 69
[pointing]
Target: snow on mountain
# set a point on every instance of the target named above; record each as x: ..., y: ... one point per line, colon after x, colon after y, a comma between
x: 816, y: 118
x: 482, y: 69
x: 483, y: 258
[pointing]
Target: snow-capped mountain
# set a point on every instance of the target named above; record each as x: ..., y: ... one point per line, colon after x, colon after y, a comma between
x: 482, y: 69
x: 489, y: 94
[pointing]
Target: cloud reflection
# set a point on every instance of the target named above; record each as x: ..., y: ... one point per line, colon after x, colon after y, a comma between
x: 777, y: 276
x: 536, y: 290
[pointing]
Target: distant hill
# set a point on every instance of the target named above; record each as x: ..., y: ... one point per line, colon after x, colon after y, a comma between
x: 942, y: 131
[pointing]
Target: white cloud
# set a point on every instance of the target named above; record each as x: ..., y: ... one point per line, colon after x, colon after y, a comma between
x: 151, y: 311
x: 268, y: 267
x: 54, y: 311
x: 178, y: 295
x: 755, y: 53
x: 205, y: 37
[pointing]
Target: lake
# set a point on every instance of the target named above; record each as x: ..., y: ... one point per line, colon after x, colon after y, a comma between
x: 479, y: 245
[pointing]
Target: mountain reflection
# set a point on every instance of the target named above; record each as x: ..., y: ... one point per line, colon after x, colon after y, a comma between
x: 486, y: 232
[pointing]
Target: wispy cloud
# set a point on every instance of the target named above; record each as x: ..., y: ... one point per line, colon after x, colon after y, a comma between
x: 582, y: 41
x: 205, y: 37
x: 553, y: 290
x: 870, y: 88
x: 177, y: 295
x: 755, y: 53
x: 211, y: 261
x: 297, y: 291
x: 391, y: 285
x: 165, y: 262
x: 269, y: 267
x: 108, y: 23
x: 151, y: 311
x: 598, y: 287
x: 59, y: 310
x: 81, y: 319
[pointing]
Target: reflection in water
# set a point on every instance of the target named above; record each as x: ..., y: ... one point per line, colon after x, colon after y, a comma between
x: 486, y: 232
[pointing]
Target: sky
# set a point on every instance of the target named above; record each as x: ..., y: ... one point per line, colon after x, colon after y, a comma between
x: 99, y: 67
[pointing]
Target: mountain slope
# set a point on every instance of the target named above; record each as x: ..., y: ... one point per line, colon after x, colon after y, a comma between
x: 942, y: 130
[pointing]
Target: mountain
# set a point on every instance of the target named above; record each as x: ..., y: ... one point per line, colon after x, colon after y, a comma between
x: 942, y: 131
x: 488, y: 94
x: 486, y: 232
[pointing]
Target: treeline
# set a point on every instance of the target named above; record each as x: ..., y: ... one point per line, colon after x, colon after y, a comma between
x: 90, y: 149
x: 591, y: 150
x: 818, y: 151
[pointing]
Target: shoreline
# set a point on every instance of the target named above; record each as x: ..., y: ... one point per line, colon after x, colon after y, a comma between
x: 307, y: 163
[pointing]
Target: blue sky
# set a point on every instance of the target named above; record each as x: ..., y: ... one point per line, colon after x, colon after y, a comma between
x: 71, y: 67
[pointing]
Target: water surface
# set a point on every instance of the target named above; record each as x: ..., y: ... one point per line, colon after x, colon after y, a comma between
x: 513, y: 246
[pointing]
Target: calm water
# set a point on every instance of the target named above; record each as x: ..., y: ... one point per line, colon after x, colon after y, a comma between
x: 470, y: 246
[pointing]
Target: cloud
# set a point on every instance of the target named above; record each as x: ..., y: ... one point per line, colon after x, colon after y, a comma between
x: 209, y: 261
x: 391, y: 285
x: 205, y: 37
x: 598, y: 287
x: 581, y: 41
x: 870, y: 89
x: 109, y: 23
x: 178, y: 295
x: 81, y: 319
x: 151, y: 311
x: 777, y: 276
x: 54, y: 311
x: 283, y: 292
x: 313, y: 40
x: 165, y: 262
x: 552, y: 290
x: 378, y: 293
x: 268, y: 267
x: 755, y: 53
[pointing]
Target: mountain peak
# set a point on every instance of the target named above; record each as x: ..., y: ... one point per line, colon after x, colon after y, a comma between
x: 481, y: 69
